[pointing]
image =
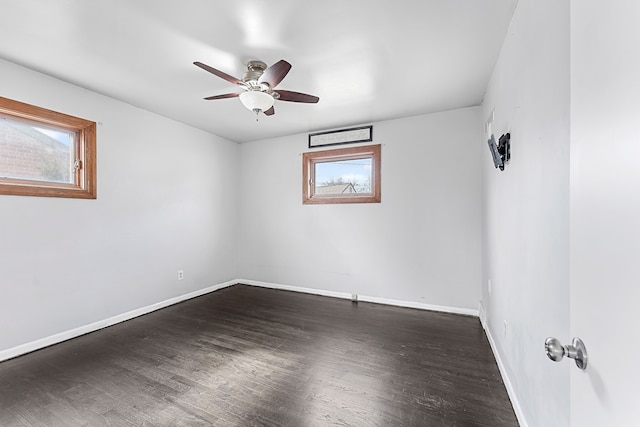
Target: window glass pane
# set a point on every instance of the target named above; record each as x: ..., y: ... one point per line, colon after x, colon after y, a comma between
x: 35, y: 152
x: 343, y: 177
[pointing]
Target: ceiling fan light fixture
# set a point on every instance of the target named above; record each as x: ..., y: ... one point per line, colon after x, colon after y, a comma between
x: 256, y: 100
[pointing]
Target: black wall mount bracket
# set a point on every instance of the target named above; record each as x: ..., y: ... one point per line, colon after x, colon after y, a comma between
x: 501, y: 152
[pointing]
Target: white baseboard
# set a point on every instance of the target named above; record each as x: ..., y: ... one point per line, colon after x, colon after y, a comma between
x: 73, y: 333
x: 363, y: 298
x: 82, y: 330
x: 503, y: 372
x: 332, y: 294
x: 419, y: 306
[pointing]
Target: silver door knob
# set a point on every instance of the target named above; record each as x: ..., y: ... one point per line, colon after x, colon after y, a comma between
x: 576, y: 350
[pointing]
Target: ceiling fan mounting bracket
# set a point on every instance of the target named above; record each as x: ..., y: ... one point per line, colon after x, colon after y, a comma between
x: 254, y: 71
x: 256, y: 65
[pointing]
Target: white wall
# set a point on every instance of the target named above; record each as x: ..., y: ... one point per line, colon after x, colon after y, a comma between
x: 605, y: 210
x: 526, y: 209
x: 166, y: 201
x: 421, y: 244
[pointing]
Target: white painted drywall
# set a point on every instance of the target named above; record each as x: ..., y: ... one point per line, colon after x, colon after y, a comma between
x: 166, y: 201
x: 605, y: 210
x: 526, y: 209
x: 421, y: 244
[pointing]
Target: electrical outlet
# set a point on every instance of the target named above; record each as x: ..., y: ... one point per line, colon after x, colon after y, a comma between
x: 180, y: 274
x: 489, y: 286
x: 354, y: 297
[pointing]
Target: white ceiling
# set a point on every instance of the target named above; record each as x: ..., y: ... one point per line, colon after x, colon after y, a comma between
x: 367, y: 61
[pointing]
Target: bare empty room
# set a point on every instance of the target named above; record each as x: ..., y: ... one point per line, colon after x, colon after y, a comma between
x: 419, y: 213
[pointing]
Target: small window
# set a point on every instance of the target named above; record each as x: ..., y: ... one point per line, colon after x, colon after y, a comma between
x: 46, y: 153
x: 348, y: 175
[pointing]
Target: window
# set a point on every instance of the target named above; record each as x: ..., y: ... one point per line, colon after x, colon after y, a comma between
x: 348, y: 175
x: 46, y: 153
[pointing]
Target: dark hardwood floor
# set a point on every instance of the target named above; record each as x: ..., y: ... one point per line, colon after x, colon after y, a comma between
x: 246, y: 356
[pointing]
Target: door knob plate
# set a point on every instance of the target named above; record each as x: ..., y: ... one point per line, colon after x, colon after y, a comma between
x: 581, y: 353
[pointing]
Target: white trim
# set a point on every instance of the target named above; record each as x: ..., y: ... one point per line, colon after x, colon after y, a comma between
x: 505, y: 378
x: 82, y: 330
x: 362, y: 298
x: 419, y: 305
x: 64, y: 336
x: 323, y: 293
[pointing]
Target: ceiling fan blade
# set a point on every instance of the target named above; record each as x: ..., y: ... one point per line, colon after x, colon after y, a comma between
x: 288, y: 95
x: 223, y: 96
x: 270, y: 112
x: 218, y: 73
x: 274, y: 74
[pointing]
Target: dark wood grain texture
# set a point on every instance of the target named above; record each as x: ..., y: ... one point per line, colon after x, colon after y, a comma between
x: 246, y: 356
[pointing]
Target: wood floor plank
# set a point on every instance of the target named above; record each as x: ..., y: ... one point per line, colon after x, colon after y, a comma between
x: 247, y: 356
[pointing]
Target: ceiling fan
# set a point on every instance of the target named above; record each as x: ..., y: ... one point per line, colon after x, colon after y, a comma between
x: 258, y: 84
